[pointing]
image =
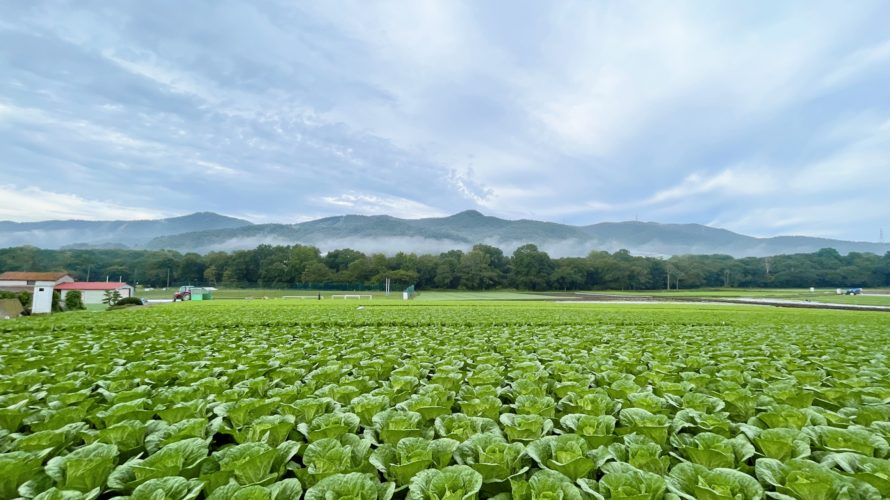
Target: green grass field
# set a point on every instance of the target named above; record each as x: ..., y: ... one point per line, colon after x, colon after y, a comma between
x: 263, y: 293
x: 820, y: 295
x: 483, y: 296
x: 383, y: 399
x: 881, y: 297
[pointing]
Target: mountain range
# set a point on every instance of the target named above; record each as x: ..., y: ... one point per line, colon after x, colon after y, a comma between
x: 206, y: 231
x: 108, y: 234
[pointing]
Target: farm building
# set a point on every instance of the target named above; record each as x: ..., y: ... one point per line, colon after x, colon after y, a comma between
x: 199, y: 293
x: 93, y: 292
x: 15, y: 279
x: 40, y: 284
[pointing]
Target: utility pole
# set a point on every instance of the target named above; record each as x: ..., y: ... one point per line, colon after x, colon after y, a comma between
x: 88, y: 271
x: 168, y: 277
x: 726, y: 278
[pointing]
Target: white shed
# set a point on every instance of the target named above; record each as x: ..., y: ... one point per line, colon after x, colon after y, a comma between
x: 42, y: 301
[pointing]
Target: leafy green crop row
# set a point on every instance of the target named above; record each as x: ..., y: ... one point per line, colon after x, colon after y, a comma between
x: 279, y: 401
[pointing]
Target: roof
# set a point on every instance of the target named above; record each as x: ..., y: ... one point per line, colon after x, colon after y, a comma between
x: 91, y: 285
x: 25, y: 276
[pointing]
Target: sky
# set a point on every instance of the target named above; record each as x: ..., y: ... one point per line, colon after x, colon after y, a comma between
x: 764, y: 118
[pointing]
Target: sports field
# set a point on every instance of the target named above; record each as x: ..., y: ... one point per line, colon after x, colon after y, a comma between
x: 380, y: 399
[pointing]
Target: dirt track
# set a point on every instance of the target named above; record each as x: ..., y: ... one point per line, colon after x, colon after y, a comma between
x: 800, y: 304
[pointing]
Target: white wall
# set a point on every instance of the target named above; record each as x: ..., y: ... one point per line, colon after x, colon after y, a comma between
x: 42, y: 303
x: 92, y: 296
x: 97, y: 296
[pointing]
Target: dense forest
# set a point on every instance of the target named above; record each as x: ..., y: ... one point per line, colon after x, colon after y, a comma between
x: 483, y: 267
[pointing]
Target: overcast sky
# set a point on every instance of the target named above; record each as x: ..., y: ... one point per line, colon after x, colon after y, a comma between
x: 764, y: 118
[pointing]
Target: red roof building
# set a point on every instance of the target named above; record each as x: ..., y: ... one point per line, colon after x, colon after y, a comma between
x: 16, y: 278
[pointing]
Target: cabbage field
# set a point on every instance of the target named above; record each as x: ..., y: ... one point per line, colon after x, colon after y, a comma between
x: 281, y: 400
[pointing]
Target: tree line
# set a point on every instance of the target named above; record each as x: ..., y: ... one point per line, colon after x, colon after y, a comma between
x: 481, y: 268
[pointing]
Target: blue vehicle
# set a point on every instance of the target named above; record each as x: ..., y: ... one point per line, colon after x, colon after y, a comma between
x: 854, y: 291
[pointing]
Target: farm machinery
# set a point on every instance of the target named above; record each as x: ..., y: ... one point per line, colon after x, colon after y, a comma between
x: 184, y: 293
x: 193, y: 293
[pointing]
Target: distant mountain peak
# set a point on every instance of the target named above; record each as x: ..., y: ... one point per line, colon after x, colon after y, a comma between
x: 207, y: 216
x: 469, y: 214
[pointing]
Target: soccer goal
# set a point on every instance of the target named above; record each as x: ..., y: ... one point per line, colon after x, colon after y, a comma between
x: 352, y: 296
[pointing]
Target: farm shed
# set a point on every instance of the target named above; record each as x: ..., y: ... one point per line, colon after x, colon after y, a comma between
x: 20, y: 279
x: 199, y: 293
x: 93, y: 292
x: 42, y: 297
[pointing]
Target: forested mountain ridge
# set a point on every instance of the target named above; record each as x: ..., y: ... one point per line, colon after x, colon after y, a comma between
x: 381, y: 233
x: 112, y: 233
x: 205, y: 232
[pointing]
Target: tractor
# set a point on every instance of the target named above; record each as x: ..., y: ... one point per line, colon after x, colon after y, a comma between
x: 184, y: 293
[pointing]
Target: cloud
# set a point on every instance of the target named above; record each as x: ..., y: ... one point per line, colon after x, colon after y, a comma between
x: 821, y: 218
x: 736, y: 182
x: 469, y: 188
x: 369, y: 204
x: 576, y: 112
x: 213, y: 168
x: 30, y: 204
x: 861, y: 161
x: 145, y: 65
x: 862, y: 60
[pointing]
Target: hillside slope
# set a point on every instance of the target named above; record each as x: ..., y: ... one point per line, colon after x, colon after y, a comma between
x: 79, y: 233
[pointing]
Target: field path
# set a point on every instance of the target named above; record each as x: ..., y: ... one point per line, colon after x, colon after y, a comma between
x: 643, y: 299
